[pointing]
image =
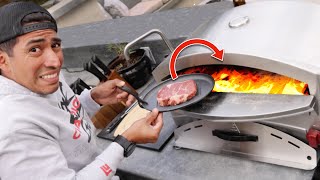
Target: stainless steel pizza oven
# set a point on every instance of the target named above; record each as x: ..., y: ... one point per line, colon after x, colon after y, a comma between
x: 272, y: 39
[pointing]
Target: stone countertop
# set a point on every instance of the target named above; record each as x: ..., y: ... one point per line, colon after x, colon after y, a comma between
x: 190, y: 164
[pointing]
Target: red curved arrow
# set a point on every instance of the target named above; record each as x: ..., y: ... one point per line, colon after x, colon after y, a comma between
x: 218, y: 54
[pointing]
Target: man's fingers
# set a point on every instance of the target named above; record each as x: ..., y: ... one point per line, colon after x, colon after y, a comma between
x: 125, y: 97
x: 130, y: 100
x: 122, y: 95
x: 158, y: 123
x: 157, y: 126
x: 116, y: 83
x: 119, y: 83
x: 152, y: 116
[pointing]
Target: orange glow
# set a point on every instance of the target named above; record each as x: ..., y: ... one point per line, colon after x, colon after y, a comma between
x: 249, y: 80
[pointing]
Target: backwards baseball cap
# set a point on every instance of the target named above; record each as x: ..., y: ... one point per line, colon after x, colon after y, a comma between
x: 12, y: 14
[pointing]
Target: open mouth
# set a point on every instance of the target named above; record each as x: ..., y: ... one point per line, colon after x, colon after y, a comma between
x: 49, y: 76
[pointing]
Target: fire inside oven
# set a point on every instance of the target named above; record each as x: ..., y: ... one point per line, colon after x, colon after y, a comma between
x: 238, y: 79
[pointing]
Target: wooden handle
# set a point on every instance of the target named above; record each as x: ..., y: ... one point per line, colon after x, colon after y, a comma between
x: 103, y: 117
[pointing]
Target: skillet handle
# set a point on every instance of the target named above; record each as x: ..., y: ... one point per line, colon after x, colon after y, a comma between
x: 133, y: 93
x: 234, y: 136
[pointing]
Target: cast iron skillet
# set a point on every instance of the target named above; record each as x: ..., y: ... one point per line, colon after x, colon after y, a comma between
x: 205, y: 84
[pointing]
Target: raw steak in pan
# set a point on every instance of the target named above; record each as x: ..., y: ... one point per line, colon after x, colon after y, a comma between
x: 177, y: 93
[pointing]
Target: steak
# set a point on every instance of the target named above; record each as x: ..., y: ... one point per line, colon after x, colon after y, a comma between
x: 176, y: 93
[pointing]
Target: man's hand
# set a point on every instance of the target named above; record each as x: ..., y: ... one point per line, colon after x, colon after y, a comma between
x: 108, y: 93
x: 145, y: 130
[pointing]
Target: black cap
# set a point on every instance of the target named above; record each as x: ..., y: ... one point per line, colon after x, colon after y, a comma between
x: 11, y: 16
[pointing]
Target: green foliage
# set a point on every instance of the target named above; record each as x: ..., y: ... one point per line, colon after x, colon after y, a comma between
x: 117, y: 48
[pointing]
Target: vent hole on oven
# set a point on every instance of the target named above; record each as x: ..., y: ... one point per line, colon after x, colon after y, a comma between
x: 198, y: 126
x: 187, y: 129
x: 293, y: 144
x: 276, y: 136
x: 309, y: 157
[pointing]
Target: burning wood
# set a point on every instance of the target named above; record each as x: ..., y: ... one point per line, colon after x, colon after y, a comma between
x: 248, y: 80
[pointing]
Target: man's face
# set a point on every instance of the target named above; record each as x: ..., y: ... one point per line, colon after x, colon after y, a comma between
x: 36, y: 61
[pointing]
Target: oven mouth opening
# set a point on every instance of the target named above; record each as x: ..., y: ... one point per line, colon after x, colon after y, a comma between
x: 240, y: 79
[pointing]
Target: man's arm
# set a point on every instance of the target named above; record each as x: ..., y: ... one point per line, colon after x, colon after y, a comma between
x: 24, y: 155
x: 90, y: 106
x: 31, y: 153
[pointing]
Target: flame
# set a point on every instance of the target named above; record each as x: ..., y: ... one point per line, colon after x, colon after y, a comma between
x: 249, y: 80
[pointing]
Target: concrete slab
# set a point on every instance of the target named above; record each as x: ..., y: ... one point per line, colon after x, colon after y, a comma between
x: 63, y: 7
x: 168, y: 4
x: 145, y: 7
x: 81, y: 42
x: 174, y: 23
x: 87, y: 12
x: 165, y: 1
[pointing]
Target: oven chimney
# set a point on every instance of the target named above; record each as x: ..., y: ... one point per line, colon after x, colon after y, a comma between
x: 238, y: 2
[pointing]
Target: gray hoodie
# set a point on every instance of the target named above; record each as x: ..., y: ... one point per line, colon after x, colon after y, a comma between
x: 51, y: 136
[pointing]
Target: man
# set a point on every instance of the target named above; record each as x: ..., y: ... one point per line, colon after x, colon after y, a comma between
x: 45, y: 130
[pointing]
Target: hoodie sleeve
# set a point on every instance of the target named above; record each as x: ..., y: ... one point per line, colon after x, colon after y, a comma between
x: 25, y: 156
x: 90, y: 106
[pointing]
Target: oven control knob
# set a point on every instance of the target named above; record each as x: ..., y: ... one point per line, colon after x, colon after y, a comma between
x: 313, y: 137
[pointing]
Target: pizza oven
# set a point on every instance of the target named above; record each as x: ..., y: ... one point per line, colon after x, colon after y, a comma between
x: 266, y: 95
